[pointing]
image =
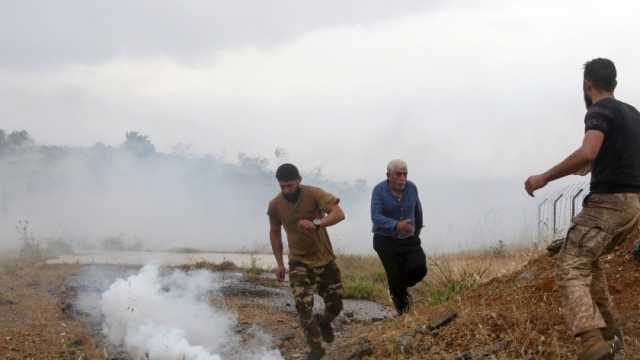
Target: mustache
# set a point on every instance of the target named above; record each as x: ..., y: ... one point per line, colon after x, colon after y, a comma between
x: 292, y: 197
x: 588, y: 101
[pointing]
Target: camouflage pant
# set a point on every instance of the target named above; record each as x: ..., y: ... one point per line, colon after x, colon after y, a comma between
x: 305, y: 281
x: 604, y: 223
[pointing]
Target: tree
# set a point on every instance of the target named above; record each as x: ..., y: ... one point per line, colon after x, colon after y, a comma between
x: 16, y: 140
x: 281, y: 155
x: 252, y: 161
x: 138, y: 144
x: 19, y: 139
x: 113, y: 243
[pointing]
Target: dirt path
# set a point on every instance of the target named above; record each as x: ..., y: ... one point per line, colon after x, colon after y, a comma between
x: 34, y: 321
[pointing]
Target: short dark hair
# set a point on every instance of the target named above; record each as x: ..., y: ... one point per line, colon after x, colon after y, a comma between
x: 287, y: 172
x: 602, y: 74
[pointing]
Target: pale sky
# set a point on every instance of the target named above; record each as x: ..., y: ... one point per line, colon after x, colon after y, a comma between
x: 464, y: 91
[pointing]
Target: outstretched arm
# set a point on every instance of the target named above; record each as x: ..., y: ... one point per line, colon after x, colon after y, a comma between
x: 578, y: 160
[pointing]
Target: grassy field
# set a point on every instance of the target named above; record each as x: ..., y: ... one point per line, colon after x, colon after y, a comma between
x: 448, y: 275
x: 364, y: 277
x: 494, y: 297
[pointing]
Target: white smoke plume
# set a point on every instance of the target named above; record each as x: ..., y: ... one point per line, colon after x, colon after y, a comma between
x: 168, y: 317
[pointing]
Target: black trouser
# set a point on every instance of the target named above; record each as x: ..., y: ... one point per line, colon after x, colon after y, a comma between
x: 404, y: 262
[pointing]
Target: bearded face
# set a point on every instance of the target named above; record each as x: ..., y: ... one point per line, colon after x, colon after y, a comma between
x: 588, y: 101
x: 290, y: 190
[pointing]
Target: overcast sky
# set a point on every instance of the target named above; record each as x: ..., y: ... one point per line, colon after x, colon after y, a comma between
x: 465, y: 91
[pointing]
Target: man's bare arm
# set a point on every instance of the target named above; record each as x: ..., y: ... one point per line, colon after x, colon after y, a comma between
x: 334, y: 216
x: 584, y: 171
x: 578, y: 160
x: 275, y: 234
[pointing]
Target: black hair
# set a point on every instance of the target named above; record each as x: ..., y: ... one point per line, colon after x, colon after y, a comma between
x: 287, y: 172
x: 602, y: 74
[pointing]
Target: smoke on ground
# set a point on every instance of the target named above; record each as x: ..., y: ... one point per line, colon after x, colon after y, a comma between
x: 168, y: 316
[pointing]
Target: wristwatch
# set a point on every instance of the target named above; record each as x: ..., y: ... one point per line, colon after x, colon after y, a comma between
x: 317, y: 222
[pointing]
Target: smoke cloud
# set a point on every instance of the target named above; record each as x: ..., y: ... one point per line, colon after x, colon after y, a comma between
x: 133, y: 197
x: 169, y: 317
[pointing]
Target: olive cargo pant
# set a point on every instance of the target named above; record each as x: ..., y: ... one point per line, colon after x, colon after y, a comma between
x: 604, y: 223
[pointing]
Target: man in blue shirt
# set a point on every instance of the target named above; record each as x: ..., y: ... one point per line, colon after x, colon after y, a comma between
x: 396, y: 214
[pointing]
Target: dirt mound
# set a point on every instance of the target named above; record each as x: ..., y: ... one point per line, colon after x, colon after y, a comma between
x: 516, y: 316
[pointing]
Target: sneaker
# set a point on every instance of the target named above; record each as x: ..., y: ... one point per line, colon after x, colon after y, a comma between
x: 326, y: 329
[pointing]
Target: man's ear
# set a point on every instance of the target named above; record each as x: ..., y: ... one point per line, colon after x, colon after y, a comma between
x: 587, y: 86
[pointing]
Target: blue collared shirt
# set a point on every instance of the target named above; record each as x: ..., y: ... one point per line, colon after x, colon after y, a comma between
x: 387, y: 210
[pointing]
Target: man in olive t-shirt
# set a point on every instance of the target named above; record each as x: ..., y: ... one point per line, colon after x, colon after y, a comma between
x: 305, y: 212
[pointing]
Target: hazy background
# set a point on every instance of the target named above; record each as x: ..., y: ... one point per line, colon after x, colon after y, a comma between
x: 474, y: 96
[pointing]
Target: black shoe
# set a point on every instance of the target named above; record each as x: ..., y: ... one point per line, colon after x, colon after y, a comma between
x: 402, y: 303
x: 315, y: 354
x: 326, y: 330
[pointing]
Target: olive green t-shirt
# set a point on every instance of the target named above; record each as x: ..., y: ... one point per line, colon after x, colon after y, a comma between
x: 313, y: 203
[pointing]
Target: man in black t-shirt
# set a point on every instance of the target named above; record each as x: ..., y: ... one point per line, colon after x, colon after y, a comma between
x: 611, y: 151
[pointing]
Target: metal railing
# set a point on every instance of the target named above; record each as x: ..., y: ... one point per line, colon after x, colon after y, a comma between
x: 556, y: 211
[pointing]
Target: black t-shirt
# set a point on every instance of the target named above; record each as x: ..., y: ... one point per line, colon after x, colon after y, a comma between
x: 616, y: 168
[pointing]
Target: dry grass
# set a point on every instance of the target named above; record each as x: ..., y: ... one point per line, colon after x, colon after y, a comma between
x: 205, y: 265
x: 12, y: 265
x: 448, y: 276
x: 7, y: 255
x: 363, y: 277
x: 489, y: 263
x: 185, y: 250
x: 253, y: 273
x: 10, y: 262
x: 34, y: 323
x: 516, y: 302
